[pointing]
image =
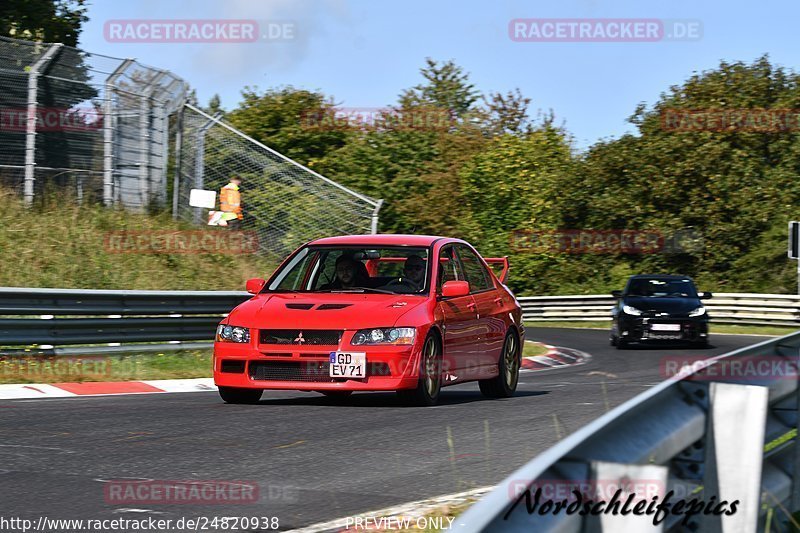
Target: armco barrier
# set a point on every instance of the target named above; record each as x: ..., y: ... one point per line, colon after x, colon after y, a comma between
x: 111, y: 316
x: 74, y: 316
x: 723, y: 308
x: 703, y: 436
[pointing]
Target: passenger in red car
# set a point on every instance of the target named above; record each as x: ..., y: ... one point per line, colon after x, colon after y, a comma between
x: 349, y: 274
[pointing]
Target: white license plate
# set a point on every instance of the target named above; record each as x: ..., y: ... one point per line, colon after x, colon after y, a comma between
x: 348, y: 365
x: 665, y: 327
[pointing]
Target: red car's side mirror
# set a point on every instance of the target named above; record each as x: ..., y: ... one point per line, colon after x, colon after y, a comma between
x: 254, y: 285
x: 452, y: 289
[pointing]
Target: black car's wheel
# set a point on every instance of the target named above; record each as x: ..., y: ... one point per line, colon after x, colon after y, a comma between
x: 621, y: 344
x: 429, y: 385
x: 703, y: 344
x: 237, y: 395
x: 613, y: 340
x: 505, y: 383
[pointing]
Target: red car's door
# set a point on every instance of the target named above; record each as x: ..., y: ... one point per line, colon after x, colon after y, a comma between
x: 489, y: 305
x: 458, y: 316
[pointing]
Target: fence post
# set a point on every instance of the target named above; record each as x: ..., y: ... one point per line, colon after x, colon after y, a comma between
x: 374, y: 224
x: 30, y: 126
x: 199, y: 167
x: 145, y: 143
x: 736, y: 425
x: 176, y: 178
x: 108, y: 132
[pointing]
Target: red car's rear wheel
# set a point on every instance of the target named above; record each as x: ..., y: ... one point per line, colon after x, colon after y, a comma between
x: 505, y: 383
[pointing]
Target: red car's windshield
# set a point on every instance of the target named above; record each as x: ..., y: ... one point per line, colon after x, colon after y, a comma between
x: 391, y: 270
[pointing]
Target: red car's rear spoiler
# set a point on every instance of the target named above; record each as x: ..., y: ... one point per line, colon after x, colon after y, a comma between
x: 491, y: 261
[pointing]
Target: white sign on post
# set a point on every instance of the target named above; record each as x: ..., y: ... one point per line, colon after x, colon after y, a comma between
x: 201, y: 198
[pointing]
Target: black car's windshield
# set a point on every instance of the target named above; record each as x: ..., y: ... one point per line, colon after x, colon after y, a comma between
x: 662, y: 288
x: 353, y: 269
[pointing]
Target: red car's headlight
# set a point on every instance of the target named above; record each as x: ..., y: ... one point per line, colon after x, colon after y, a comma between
x: 384, y: 336
x: 227, y: 333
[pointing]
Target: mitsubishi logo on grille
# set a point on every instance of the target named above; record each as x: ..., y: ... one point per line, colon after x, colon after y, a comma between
x: 299, y: 339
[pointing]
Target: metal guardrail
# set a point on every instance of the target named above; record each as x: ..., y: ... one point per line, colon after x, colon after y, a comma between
x: 723, y: 308
x: 718, y: 432
x: 125, y: 316
x: 77, y: 316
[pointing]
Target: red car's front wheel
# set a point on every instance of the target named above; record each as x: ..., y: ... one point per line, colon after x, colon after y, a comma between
x: 429, y: 385
x: 240, y: 395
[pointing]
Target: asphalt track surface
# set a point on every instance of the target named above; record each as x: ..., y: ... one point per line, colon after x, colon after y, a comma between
x: 313, y: 459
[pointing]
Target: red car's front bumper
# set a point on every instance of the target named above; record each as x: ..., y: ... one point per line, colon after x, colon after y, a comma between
x: 294, y: 367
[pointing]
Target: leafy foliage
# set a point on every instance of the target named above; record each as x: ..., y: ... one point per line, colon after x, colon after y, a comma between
x: 52, y: 21
x: 492, y: 170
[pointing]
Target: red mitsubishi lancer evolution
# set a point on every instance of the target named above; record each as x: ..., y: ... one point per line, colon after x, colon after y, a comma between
x: 403, y: 313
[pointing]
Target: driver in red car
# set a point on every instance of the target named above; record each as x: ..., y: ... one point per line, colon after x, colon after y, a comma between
x: 413, y: 279
x: 414, y: 271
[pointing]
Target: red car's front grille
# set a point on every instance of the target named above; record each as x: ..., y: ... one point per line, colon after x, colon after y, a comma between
x: 301, y: 337
x: 315, y: 371
x: 309, y: 371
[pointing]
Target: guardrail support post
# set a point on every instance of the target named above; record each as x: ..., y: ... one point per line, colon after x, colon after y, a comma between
x: 794, y: 500
x: 643, y: 481
x: 737, y: 420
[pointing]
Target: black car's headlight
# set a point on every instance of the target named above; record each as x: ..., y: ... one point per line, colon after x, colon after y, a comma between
x: 227, y: 333
x: 700, y: 311
x: 629, y: 310
x: 383, y: 336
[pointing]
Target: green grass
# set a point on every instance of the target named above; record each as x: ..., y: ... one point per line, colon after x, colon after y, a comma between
x: 129, y: 367
x: 60, y: 244
x: 714, y: 328
x: 533, y: 348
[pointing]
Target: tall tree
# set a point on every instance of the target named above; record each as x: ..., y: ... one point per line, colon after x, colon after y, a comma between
x: 289, y: 120
x: 507, y: 113
x: 214, y: 105
x: 53, y: 21
x: 732, y: 183
x: 446, y: 87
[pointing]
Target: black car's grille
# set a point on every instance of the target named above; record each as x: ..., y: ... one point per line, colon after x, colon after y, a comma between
x: 663, y: 315
x: 309, y: 371
x: 301, y: 337
x: 314, y: 371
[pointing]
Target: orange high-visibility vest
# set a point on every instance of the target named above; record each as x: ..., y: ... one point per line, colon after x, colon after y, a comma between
x: 230, y: 200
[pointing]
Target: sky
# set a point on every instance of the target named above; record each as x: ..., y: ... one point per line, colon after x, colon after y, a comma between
x: 364, y: 53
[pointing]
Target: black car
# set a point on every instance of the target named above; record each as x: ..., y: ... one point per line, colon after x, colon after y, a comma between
x: 659, y: 308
